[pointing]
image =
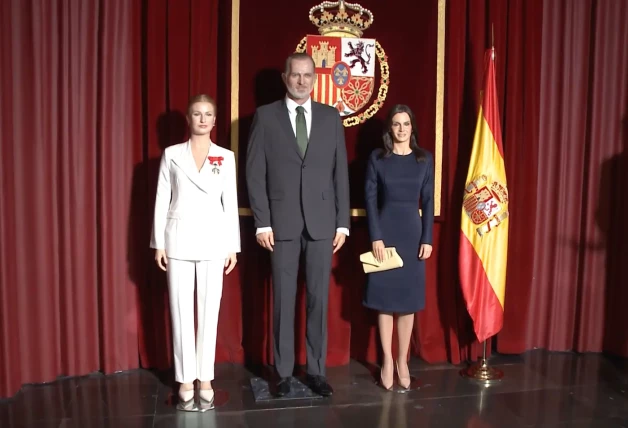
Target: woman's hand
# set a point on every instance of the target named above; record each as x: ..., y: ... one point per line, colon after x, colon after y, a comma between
x: 379, y: 250
x: 230, y: 262
x: 161, y: 259
x: 425, y: 251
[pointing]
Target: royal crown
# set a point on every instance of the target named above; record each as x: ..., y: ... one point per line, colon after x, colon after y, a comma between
x: 349, y: 19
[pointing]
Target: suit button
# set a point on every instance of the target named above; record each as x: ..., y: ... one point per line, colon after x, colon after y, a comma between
x: 303, y: 167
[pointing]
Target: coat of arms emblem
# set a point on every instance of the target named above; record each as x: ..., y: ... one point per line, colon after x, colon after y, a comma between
x: 345, y: 61
x: 486, y: 203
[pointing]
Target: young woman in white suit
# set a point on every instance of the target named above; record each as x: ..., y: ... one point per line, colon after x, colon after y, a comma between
x: 196, y: 235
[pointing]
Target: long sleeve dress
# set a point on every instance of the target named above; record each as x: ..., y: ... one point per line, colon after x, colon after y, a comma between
x: 393, y: 189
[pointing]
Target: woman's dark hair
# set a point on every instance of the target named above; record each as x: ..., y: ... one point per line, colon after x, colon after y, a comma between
x: 419, y: 153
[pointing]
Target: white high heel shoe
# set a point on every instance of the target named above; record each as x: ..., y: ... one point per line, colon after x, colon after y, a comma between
x: 186, y: 401
x: 206, y: 399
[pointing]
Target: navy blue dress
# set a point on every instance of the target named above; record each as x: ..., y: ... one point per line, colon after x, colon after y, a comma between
x: 393, y: 188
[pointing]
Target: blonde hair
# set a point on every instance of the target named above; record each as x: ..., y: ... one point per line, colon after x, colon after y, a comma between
x: 201, y: 98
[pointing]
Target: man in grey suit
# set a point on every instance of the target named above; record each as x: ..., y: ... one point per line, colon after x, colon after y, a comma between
x: 298, y: 183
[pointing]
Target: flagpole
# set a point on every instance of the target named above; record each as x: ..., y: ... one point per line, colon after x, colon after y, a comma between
x: 492, y: 36
x: 481, y: 372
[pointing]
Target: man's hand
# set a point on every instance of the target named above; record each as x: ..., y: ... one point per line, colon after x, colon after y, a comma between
x: 266, y: 240
x: 339, y: 241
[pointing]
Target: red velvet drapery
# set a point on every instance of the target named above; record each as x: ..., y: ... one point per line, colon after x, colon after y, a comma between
x: 70, y: 116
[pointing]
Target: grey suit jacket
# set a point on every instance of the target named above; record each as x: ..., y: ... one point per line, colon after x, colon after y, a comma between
x: 288, y: 192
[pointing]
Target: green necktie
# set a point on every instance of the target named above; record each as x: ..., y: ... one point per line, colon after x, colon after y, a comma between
x: 301, y: 130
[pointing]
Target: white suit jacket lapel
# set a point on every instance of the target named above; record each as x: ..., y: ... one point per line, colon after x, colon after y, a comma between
x: 185, y: 161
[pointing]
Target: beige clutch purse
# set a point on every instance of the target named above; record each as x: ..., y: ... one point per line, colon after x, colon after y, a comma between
x: 370, y: 263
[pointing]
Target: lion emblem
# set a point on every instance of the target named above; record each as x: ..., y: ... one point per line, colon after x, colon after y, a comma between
x: 358, y: 52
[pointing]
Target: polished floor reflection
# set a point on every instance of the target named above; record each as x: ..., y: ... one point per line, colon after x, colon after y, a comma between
x: 540, y: 389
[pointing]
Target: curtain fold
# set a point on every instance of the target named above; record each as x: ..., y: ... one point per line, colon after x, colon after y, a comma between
x: 577, y: 295
x: 70, y: 90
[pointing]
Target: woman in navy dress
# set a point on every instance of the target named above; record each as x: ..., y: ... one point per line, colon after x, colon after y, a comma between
x: 398, y: 178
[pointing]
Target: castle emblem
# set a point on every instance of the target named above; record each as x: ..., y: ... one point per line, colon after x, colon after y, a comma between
x: 345, y: 61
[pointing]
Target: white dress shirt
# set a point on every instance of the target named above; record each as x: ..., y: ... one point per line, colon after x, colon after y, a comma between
x: 292, y: 113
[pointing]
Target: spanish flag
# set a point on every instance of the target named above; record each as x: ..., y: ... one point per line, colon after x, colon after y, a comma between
x: 484, y: 224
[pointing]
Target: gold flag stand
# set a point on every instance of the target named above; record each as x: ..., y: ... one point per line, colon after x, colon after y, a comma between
x: 481, y: 372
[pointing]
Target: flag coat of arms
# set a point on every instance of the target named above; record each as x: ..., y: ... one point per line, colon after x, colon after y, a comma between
x: 484, y: 224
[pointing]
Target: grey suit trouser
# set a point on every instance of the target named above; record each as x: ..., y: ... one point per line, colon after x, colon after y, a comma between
x: 285, y: 264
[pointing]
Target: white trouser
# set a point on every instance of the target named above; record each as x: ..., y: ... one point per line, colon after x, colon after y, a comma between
x: 194, y: 361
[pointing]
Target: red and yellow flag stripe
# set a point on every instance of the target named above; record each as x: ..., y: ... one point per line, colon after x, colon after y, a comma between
x: 484, y: 224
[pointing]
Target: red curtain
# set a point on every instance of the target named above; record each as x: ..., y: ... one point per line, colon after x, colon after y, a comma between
x: 563, y: 86
x: 69, y: 116
x: 576, y: 290
x: 91, y: 92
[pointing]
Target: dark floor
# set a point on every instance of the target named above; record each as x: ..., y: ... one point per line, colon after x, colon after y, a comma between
x: 539, y: 389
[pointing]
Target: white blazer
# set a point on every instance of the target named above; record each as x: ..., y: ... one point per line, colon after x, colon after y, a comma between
x: 196, y: 213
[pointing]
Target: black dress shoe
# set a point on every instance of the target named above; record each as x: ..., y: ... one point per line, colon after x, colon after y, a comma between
x: 282, y: 387
x: 319, y: 385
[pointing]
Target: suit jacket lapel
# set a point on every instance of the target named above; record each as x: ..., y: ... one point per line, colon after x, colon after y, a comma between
x: 284, y: 122
x: 185, y: 161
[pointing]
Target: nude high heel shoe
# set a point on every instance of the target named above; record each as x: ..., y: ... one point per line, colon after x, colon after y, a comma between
x: 404, y: 382
x: 381, y: 380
